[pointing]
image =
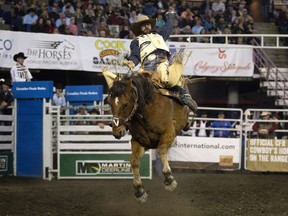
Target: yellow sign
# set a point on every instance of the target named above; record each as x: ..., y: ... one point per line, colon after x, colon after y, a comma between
x: 110, y: 44
x: 267, y: 155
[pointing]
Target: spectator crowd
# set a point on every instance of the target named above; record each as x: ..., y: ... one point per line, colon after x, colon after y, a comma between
x: 113, y: 18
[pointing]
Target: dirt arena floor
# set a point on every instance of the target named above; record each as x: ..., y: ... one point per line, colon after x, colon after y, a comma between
x: 197, y: 194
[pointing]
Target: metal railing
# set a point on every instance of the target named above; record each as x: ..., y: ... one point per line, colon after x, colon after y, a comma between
x: 269, y: 72
x: 264, y: 38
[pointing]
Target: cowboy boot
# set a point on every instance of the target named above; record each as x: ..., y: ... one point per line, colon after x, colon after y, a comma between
x: 186, y: 98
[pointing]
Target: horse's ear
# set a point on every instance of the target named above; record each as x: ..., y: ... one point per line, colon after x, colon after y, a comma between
x: 109, y: 76
x: 133, y: 86
x: 147, y: 74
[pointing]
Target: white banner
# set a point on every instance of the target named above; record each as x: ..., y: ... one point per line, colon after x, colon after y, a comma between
x: 44, y: 51
x: 205, y: 149
x: 213, y: 60
x: 100, y: 51
x: 65, y: 52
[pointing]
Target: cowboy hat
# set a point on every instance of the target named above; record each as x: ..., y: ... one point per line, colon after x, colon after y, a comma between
x: 142, y: 19
x: 19, y: 55
x: 247, y: 113
x: 5, y: 82
x: 264, y: 113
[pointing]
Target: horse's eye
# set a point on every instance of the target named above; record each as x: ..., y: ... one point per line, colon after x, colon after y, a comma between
x: 125, y: 105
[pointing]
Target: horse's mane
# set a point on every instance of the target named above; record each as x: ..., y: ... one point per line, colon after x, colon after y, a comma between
x: 143, y: 84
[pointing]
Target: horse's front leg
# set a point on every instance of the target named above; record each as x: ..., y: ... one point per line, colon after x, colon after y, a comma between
x: 137, y: 153
x: 166, y: 141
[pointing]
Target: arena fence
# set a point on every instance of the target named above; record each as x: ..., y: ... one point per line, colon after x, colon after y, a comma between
x: 7, y: 141
x: 82, y: 146
x: 215, y: 143
x: 268, y: 153
x: 86, y: 149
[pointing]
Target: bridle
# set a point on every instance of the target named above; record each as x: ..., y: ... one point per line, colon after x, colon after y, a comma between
x: 119, y: 120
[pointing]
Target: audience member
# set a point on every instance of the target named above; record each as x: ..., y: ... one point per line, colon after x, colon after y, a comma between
x: 197, y: 27
x: 62, y: 28
x: 116, y: 19
x: 89, y: 21
x: 6, y: 98
x: 59, y: 97
x: 221, y: 124
x: 217, y: 6
x: 60, y: 22
x: 212, y: 15
x: 30, y: 21
x: 160, y: 23
x: 73, y: 27
x: 49, y: 27
x: 149, y: 9
x: 95, y: 112
x: 265, y: 129
x: 19, y: 72
x: 279, y: 135
x: 203, y: 125
x: 133, y: 17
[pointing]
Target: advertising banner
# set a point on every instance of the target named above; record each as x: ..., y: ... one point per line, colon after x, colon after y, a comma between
x: 84, y: 93
x: 267, y: 155
x: 44, y: 51
x: 211, y: 60
x: 37, y: 89
x: 103, y: 51
x: 101, y: 165
x: 206, y: 152
x: 65, y: 52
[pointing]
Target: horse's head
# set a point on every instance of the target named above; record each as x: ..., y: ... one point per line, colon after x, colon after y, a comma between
x: 123, y: 101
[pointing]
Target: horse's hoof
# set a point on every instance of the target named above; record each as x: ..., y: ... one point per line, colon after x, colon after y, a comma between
x: 171, y: 187
x: 142, y: 199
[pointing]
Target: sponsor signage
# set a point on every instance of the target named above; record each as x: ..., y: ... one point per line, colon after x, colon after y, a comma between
x: 95, y: 167
x: 67, y: 52
x: 207, y: 152
x: 37, y: 89
x: 267, y: 155
x: 84, y: 93
x: 101, y: 165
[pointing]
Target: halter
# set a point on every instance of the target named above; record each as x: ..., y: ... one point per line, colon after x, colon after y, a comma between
x: 117, y: 120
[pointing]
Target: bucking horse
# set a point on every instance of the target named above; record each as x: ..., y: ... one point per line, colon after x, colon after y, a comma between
x: 152, y: 119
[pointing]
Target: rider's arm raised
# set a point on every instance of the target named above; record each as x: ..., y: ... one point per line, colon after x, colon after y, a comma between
x: 167, y: 31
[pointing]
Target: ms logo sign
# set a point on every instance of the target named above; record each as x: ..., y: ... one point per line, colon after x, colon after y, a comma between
x: 93, y: 168
x: 87, y: 168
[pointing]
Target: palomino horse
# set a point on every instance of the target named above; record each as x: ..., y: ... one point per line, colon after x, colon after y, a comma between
x: 153, y: 121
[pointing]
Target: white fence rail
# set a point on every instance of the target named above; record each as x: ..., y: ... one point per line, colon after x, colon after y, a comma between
x: 7, y: 131
x: 265, y: 39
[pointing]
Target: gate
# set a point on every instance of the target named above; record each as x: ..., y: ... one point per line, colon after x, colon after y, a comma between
x: 86, y: 148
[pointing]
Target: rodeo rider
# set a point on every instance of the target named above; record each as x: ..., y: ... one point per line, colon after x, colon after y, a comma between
x: 149, y: 49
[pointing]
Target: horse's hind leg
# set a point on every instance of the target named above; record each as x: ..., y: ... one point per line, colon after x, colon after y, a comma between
x: 137, y: 153
x: 169, y: 181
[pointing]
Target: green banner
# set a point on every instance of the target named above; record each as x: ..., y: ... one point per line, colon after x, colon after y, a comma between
x: 101, y: 165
